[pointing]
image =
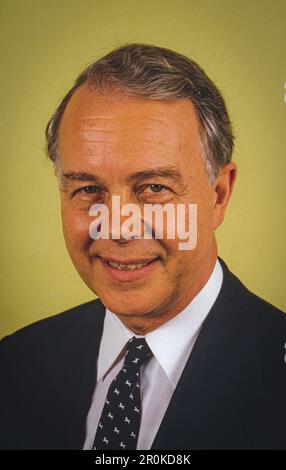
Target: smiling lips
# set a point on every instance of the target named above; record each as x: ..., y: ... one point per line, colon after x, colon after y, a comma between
x: 128, y: 264
x: 130, y: 270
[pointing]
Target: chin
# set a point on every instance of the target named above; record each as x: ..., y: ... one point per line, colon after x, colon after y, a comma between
x: 126, y: 304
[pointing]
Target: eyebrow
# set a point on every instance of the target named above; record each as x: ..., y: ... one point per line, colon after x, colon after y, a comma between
x: 162, y: 172
x: 168, y: 172
x: 79, y: 176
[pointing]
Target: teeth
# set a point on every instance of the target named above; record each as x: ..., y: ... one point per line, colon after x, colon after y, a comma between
x: 127, y: 267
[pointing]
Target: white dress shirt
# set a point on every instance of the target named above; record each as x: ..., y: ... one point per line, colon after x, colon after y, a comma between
x: 171, y: 345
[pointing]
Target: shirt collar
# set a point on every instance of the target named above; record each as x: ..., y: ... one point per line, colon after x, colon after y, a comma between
x: 170, y: 342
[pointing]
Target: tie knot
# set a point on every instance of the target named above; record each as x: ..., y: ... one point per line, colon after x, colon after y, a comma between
x: 137, y: 351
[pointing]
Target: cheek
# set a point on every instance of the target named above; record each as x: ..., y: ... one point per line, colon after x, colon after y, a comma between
x: 198, y: 229
x: 177, y: 261
x: 75, y: 229
x: 205, y: 215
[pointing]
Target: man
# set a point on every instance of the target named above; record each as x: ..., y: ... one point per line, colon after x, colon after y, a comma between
x: 176, y: 353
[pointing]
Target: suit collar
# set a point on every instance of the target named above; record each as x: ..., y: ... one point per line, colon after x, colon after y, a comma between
x: 65, y: 385
x: 208, y: 379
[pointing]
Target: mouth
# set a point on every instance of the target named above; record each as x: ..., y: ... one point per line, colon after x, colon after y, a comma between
x: 128, y: 269
x: 129, y: 264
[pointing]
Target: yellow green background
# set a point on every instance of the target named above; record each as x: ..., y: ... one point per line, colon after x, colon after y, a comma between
x: 46, y: 43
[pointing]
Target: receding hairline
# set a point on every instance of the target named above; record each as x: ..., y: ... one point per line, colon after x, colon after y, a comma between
x: 122, y: 94
x: 158, y: 73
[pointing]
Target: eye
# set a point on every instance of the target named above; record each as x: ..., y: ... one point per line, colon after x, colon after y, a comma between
x: 156, y: 188
x: 89, y: 189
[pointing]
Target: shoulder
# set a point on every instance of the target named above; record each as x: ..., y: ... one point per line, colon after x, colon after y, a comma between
x: 256, y: 327
x: 258, y: 331
x: 268, y: 317
x: 249, y: 305
x: 269, y: 344
x: 43, y: 334
x: 271, y: 322
x: 38, y: 364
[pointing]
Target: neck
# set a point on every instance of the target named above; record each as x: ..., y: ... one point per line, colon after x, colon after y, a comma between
x: 143, y: 324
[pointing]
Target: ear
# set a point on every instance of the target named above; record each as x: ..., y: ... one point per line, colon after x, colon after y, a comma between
x: 223, y: 187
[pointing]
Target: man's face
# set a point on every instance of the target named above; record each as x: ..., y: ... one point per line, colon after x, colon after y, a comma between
x: 106, y: 142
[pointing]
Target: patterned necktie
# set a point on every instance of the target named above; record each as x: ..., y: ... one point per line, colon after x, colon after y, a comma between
x: 119, y: 423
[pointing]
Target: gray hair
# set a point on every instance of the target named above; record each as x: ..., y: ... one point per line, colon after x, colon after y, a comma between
x: 160, y: 74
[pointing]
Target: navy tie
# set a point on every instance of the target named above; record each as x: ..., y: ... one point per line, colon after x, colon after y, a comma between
x: 119, y: 423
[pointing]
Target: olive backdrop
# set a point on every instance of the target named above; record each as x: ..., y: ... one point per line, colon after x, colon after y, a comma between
x: 46, y: 43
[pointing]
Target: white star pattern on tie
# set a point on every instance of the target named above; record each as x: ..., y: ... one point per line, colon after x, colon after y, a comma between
x: 119, y: 423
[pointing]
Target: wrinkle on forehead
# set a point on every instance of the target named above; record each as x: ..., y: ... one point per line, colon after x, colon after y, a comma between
x: 120, y: 118
x: 122, y: 123
x: 133, y: 129
x: 95, y: 106
x: 93, y: 121
x: 126, y: 134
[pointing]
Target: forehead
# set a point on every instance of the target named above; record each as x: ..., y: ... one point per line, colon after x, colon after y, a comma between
x: 103, y: 127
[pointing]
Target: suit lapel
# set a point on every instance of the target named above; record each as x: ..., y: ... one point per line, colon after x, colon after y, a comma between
x: 58, y: 416
x: 201, y: 413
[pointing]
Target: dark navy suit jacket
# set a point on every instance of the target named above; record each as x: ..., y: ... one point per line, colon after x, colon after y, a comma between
x: 231, y: 394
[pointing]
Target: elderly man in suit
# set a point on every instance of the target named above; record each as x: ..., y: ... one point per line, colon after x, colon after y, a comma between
x: 175, y: 353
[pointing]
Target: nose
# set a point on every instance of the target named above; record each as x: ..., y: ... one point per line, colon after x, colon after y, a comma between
x: 119, y: 220
x: 125, y: 220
